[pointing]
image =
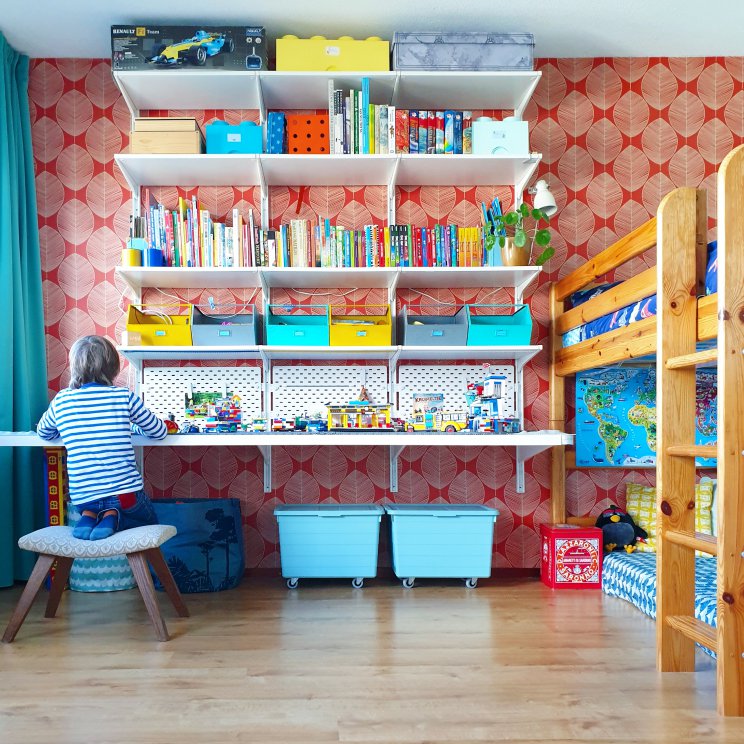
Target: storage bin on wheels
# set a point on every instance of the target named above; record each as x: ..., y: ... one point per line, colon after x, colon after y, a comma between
x: 441, y: 541
x: 329, y: 541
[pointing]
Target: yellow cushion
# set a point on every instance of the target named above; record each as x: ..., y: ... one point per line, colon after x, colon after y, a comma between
x: 641, y: 505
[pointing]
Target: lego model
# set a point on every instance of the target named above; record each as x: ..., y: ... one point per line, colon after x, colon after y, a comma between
x: 447, y: 421
x: 195, y: 50
x: 484, y: 406
x: 359, y: 416
x: 189, y: 428
x: 223, y: 416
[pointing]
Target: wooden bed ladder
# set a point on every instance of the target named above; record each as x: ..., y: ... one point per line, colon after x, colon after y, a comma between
x: 682, y: 228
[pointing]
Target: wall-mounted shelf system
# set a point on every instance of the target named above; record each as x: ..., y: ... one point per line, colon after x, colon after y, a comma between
x: 269, y: 90
x: 516, y: 278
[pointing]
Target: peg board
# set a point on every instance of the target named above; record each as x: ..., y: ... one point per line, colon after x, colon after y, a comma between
x: 164, y: 388
x: 452, y: 381
x: 307, y: 388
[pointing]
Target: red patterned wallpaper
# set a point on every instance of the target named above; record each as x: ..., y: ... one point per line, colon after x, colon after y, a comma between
x: 616, y: 135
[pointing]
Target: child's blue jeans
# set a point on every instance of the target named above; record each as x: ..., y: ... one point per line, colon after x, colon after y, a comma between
x: 136, y: 514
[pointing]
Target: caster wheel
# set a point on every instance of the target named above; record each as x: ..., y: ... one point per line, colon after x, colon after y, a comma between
x: 357, y: 583
x: 471, y: 583
x: 408, y: 583
x: 292, y: 583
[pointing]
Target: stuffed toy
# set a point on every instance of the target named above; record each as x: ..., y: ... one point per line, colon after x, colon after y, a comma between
x: 619, y: 531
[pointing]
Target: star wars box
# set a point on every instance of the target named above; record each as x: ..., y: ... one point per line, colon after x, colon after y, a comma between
x: 571, y: 557
x: 208, y: 46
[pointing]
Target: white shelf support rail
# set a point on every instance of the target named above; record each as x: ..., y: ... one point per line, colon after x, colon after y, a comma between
x: 265, y: 450
x: 391, y: 188
x: 521, y: 457
x: 519, y: 390
x: 521, y: 183
x: 395, y: 450
x: 265, y: 202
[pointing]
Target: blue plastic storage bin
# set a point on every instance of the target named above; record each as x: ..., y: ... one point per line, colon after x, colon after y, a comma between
x: 441, y: 541
x: 322, y: 541
x: 499, y: 325
x: 298, y: 325
x: 228, y: 139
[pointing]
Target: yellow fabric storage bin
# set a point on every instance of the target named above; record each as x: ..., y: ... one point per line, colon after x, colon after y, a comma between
x: 361, y: 325
x: 159, y: 325
x: 344, y: 54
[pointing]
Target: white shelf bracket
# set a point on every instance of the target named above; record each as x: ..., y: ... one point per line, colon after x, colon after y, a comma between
x: 394, y: 93
x: 134, y: 187
x: 520, y: 288
x: 133, y: 110
x: 519, y: 390
x: 521, y: 184
x: 266, y: 452
x: 522, y: 104
x: 395, y: 450
x: 391, y: 192
x: 261, y: 105
x: 520, y: 470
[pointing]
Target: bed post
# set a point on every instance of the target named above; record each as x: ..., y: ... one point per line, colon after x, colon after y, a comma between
x: 557, y: 418
x: 676, y: 333
x: 730, y: 497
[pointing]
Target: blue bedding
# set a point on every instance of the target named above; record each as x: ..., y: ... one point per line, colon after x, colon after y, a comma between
x: 633, y: 578
x: 637, y: 311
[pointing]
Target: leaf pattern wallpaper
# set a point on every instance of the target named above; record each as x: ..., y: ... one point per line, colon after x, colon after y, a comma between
x: 615, y: 134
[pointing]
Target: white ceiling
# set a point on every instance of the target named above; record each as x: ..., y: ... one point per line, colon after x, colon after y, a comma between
x: 562, y: 28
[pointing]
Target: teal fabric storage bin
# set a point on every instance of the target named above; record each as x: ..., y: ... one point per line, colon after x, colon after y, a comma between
x: 499, y: 325
x: 329, y: 541
x: 441, y: 541
x: 234, y: 139
x: 298, y: 325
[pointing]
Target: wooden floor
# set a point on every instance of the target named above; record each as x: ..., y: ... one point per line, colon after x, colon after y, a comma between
x: 508, y: 661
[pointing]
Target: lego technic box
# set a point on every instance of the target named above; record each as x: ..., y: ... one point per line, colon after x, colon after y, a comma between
x: 193, y: 47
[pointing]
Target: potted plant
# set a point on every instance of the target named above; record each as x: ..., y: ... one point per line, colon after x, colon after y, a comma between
x: 518, y: 232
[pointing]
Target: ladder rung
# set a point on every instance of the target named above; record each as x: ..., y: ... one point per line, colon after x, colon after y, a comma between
x: 693, y: 450
x: 691, y: 360
x: 695, y: 630
x: 698, y: 541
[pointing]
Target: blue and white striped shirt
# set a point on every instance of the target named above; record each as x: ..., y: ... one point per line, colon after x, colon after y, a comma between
x: 96, y: 423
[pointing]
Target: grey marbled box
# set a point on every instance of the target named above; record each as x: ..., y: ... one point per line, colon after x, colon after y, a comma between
x: 475, y: 50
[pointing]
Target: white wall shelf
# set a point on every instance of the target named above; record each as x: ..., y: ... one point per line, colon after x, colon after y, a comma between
x: 513, y: 277
x: 140, y: 354
x: 185, y: 89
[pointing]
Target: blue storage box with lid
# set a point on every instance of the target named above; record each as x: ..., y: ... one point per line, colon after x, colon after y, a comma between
x: 499, y: 325
x: 298, y: 325
x: 441, y: 541
x: 328, y: 541
x: 234, y: 139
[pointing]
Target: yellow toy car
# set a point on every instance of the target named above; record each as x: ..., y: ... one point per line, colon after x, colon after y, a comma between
x: 447, y: 421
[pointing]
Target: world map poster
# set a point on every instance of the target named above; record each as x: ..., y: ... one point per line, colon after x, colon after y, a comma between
x: 616, y: 416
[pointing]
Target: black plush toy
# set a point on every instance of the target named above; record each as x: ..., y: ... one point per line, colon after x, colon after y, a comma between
x: 619, y: 531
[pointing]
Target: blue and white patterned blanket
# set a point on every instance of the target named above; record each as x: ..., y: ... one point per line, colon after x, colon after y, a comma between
x: 633, y: 578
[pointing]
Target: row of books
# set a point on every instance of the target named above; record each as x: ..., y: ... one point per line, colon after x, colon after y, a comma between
x: 357, y: 126
x: 189, y: 237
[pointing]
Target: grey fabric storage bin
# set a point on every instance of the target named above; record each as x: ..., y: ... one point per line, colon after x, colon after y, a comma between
x: 476, y: 50
x: 433, y: 330
x: 235, y: 329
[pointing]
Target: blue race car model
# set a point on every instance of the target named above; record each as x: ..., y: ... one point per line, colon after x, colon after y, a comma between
x: 195, y: 50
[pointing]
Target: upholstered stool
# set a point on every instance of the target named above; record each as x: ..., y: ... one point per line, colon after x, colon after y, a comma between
x: 140, y: 545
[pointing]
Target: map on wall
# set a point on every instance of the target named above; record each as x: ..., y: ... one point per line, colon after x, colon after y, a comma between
x: 616, y: 416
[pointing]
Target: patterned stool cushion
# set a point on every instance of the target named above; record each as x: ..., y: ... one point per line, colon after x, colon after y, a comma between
x: 59, y: 541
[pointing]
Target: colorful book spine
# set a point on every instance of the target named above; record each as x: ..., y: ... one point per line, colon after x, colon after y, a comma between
x: 423, y: 132
x: 439, y: 133
x: 457, y: 137
x: 391, y: 129
x: 413, y: 128
x: 401, y: 131
x: 467, y: 132
x: 449, y: 132
x: 365, y: 115
x: 384, y: 131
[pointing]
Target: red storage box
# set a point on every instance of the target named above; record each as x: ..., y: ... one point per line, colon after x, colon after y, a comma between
x: 571, y: 557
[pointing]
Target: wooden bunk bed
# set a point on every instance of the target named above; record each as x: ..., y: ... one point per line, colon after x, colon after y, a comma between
x: 673, y: 336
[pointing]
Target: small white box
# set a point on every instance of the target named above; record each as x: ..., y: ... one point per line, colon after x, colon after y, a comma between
x: 507, y: 137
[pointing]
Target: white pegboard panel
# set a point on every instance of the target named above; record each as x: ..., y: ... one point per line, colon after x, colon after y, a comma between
x: 307, y: 388
x: 452, y: 381
x: 164, y: 388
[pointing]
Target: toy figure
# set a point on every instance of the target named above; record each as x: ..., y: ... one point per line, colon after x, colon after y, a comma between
x: 363, y: 395
x: 619, y: 531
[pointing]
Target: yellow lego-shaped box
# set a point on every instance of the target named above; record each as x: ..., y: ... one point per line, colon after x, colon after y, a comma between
x: 344, y: 54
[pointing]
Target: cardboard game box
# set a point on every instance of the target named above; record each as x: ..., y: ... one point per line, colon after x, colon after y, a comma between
x: 194, y: 47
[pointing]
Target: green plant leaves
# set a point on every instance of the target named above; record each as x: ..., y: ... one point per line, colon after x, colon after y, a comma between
x: 511, y: 218
x: 524, y: 209
x: 542, y: 237
x: 489, y: 242
x: 520, y: 238
x: 536, y: 214
x: 548, y: 253
x: 502, y: 241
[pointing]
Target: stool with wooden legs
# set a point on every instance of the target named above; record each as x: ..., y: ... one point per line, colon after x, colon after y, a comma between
x: 141, y: 545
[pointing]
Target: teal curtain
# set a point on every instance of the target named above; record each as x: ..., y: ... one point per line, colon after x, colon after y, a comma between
x: 23, y: 376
